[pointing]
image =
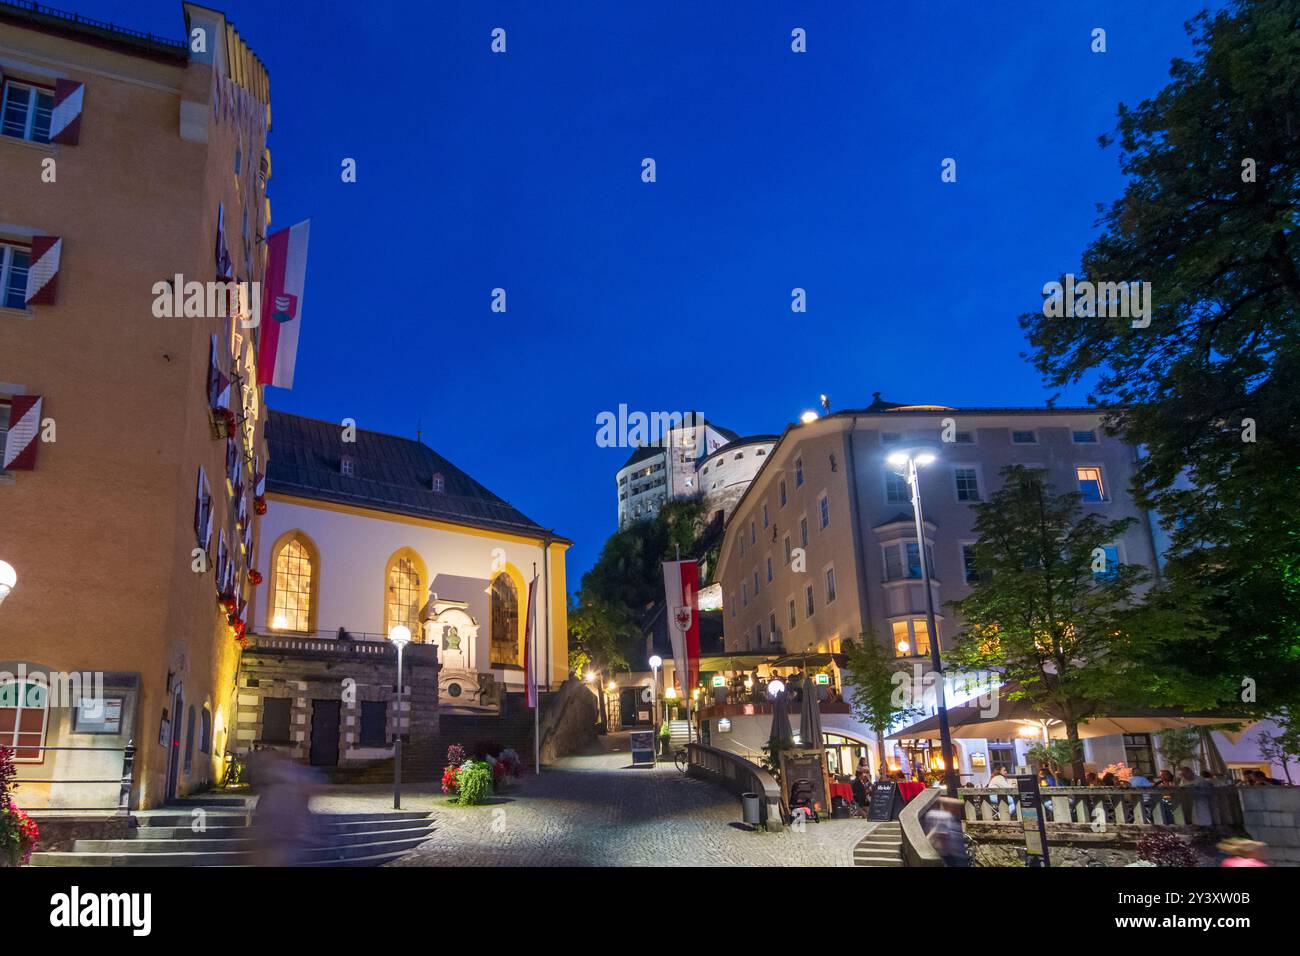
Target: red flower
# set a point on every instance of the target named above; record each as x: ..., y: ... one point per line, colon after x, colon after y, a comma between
x: 449, y: 780
x: 254, y: 577
x: 259, y: 505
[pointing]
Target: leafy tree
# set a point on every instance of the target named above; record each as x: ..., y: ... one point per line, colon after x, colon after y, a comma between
x: 1211, y: 387
x: 1179, y: 746
x: 1070, y: 637
x: 1055, y: 755
x: 1283, y: 747
x: 877, y: 699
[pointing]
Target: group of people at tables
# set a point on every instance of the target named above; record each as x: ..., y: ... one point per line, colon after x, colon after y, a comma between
x: 859, y: 789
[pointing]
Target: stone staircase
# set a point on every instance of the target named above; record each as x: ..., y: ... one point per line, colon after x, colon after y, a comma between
x: 882, y: 846
x: 679, y: 733
x: 168, y: 837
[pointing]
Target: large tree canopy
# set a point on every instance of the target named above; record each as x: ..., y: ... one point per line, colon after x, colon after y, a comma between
x: 1211, y: 387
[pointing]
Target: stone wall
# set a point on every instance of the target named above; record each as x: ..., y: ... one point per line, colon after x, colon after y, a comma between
x: 569, y: 721
x: 331, y: 670
x: 1076, y: 844
x: 1272, y: 815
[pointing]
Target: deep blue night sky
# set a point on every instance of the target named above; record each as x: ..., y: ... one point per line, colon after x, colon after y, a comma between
x: 775, y: 170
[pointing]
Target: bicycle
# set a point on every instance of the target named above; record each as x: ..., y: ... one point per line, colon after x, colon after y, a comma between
x: 682, y: 759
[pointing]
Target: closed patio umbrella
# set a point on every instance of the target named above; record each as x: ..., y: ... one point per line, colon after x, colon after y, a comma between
x: 781, y: 729
x: 810, y: 719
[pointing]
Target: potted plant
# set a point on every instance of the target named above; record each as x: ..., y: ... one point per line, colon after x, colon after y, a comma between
x: 18, y: 832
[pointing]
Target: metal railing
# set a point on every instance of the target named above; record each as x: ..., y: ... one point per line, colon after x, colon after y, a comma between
x: 38, y: 13
x: 123, y: 782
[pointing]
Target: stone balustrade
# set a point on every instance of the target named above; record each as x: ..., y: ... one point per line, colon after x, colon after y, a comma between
x: 1112, y: 806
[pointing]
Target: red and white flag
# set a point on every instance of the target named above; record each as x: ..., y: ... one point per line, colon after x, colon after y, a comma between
x: 282, y: 295
x: 530, y: 637
x: 681, y: 594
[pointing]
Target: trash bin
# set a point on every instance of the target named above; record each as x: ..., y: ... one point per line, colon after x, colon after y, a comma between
x: 749, y: 801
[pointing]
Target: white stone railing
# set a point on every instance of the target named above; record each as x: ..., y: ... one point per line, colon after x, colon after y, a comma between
x: 1111, y: 806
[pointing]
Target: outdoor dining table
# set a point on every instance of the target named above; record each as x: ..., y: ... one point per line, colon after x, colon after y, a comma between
x: 908, y: 789
x: 844, y: 790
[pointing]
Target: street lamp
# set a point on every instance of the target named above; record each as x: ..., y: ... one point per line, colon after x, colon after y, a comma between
x: 8, y: 578
x: 905, y: 463
x: 808, y: 417
x: 400, y: 636
x: 655, y: 663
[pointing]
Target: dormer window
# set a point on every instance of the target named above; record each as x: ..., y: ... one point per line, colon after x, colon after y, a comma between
x: 345, y: 465
x: 439, y: 484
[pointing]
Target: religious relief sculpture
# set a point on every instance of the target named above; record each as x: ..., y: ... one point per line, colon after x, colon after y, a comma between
x: 449, y: 625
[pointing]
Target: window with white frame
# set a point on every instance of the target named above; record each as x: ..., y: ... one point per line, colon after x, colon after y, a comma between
x: 897, y: 491
x: 803, y: 532
x: 24, y: 716
x: 911, y: 637
x: 824, y: 505
x: 969, y: 571
x: 26, y: 110
x: 798, y: 472
x: 771, y: 627
x: 14, y: 260
x: 967, y: 483
x: 830, y: 585
x: 903, y: 560
x: 1091, y: 486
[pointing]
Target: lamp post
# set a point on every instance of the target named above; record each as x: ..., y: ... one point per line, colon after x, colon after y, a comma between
x: 400, y: 636
x: 8, y: 578
x: 655, y: 663
x: 905, y: 463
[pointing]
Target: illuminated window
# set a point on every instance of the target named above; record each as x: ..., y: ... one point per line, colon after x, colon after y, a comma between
x: 505, y: 621
x: 1090, y: 484
x: 291, y: 605
x: 403, y: 598
x: 911, y: 638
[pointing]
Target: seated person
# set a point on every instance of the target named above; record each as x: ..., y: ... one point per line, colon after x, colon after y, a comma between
x: 862, y: 788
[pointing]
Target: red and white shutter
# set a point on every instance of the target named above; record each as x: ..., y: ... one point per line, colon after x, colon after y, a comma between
x: 43, y: 271
x: 24, y: 426
x: 65, y: 119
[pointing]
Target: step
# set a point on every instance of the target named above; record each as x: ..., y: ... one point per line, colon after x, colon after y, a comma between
x: 330, y: 853
x: 154, y: 818
x: 186, y: 833
x: 203, y: 858
x: 186, y: 844
x: 894, y: 861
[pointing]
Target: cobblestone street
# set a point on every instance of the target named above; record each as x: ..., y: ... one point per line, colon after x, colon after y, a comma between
x: 597, y: 810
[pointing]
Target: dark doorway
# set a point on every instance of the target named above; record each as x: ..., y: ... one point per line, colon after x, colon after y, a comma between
x: 324, y: 733
x: 174, y: 747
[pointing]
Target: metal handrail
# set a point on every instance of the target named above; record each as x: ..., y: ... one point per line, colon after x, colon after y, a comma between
x: 124, y: 782
x: 35, y: 10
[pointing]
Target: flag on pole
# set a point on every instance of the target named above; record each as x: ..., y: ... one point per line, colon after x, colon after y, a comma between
x: 530, y: 641
x: 681, y: 587
x: 282, y: 295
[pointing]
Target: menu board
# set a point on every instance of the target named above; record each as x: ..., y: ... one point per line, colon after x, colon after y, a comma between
x: 883, y: 800
x: 643, y: 746
x: 807, y: 770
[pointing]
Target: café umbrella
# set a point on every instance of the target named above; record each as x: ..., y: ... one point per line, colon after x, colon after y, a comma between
x: 781, y: 730
x: 810, y: 718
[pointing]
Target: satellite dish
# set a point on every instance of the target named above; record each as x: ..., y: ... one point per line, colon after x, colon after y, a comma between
x: 647, y: 695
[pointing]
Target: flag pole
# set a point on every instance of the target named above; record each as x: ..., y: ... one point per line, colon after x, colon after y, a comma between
x: 537, y: 700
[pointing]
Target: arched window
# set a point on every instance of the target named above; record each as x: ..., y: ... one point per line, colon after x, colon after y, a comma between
x: 294, y: 584
x: 404, y: 584
x: 205, y: 732
x: 24, y: 713
x: 505, y: 621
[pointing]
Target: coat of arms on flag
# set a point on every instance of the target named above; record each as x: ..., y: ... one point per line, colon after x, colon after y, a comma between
x: 682, y: 618
x: 284, y: 307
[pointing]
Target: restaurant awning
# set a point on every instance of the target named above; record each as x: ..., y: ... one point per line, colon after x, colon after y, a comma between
x: 809, y: 660
x: 1012, y: 718
x: 733, y: 662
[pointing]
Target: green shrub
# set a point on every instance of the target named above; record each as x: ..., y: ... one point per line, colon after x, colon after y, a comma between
x: 474, y: 781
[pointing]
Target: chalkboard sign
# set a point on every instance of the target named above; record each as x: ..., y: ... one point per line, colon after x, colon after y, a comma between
x: 884, y: 799
x: 806, y: 770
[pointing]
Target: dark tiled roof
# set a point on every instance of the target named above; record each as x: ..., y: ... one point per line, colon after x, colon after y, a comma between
x: 641, y: 454
x: 388, y: 474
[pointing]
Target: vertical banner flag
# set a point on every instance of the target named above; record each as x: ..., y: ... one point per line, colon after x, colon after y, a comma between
x: 681, y: 587
x: 530, y: 639
x: 282, y: 294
